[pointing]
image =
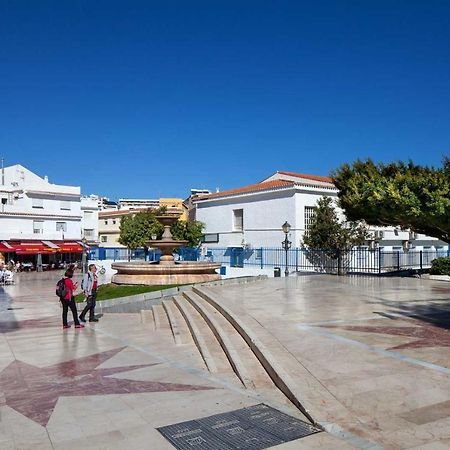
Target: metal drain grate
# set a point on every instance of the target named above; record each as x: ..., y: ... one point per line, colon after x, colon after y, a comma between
x: 253, y: 428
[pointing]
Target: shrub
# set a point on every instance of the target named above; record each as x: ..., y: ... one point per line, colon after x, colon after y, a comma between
x: 440, y: 266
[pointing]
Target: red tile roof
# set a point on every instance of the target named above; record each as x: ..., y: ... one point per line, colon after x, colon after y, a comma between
x: 307, y: 177
x: 265, y: 186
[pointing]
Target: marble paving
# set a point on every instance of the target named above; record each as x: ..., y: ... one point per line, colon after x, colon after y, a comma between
x: 379, y: 346
x: 107, y: 386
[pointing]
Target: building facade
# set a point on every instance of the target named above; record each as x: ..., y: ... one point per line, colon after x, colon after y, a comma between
x: 253, y: 215
x: 38, y: 217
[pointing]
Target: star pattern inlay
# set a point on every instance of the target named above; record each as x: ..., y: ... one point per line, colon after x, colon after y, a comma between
x: 427, y: 335
x: 34, y: 391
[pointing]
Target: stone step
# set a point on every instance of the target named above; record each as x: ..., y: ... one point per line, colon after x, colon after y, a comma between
x: 204, y: 339
x: 147, y: 317
x: 244, y: 362
x: 160, y: 317
x: 303, y: 390
x: 180, y: 330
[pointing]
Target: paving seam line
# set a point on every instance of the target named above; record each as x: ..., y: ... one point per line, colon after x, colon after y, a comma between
x: 380, y: 351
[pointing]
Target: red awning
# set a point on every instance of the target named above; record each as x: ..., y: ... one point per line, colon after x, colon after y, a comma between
x: 32, y: 248
x: 69, y: 247
x: 5, y: 249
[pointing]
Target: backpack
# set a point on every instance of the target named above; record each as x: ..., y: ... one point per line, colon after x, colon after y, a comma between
x: 61, y: 290
x: 82, y: 281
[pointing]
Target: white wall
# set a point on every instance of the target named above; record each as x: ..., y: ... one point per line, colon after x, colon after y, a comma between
x: 32, y: 198
x: 89, y: 219
x: 264, y: 213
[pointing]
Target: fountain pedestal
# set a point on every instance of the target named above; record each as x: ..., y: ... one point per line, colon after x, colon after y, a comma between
x: 167, y: 271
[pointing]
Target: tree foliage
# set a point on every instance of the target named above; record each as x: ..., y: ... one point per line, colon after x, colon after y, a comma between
x: 188, y: 231
x: 327, y: 232
x: 397, y: 194
x: 136, y: 230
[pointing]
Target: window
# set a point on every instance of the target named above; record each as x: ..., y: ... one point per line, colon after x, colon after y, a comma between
x: 37, y: 202
x: 106, y: 222
x: 65, y: 205
x: 210, y: 238
x: 61, y: 226
x: 38, y: 226
x: 309, y: 212
x: 88, y: 233
x: 104, y: 238
x: 114, y: 221
x: 238, y: 219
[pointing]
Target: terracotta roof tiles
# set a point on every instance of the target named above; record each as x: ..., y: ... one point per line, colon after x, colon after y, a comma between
x: 265, y: 186
x: 307, y: 176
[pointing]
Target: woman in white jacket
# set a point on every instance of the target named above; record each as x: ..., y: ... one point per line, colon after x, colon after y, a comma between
x: 89, y: 286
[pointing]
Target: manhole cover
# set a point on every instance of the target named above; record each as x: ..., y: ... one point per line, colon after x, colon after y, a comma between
x: 253, y: 428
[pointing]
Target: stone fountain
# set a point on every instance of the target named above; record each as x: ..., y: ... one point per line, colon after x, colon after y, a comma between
x: 167, y: 271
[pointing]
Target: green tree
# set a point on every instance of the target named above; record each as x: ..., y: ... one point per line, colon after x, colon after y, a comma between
x: 188, y: 231
x: 327, y: 232
x: 128, y: 236
x: 136, y: 230
x: 397, y: 194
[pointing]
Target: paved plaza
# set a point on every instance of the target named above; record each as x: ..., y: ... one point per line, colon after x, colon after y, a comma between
x: 365, y: 360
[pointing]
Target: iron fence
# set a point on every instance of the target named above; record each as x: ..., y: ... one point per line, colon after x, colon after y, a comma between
x: 360, y: 260
x: 124, y: 254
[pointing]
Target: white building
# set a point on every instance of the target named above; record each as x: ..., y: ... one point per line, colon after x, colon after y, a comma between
x: 89, y: 220
x: 38, y: 217
x: 138, y: 203
x: 253, y: 215
x: 106, y: 203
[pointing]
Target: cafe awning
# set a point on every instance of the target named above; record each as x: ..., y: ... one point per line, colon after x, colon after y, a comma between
x: 70, y: 247
x: 5, y: 247
x: 39, y: 247
x: 32, y: 248
x: 51, y: 245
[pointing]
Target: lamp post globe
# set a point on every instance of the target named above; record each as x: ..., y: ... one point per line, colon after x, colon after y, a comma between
x: 84, y: 256
x: 286, y: 244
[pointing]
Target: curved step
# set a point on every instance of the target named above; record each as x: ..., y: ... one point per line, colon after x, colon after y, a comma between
x: 204, y: 339
x: 225, y: 342
x: 180, y: 330
x: 147, y: 317
x: 293, y: 390
x: 160, y: 317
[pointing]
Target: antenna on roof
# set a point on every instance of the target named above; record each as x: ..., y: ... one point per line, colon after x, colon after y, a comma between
x: 3, y: 171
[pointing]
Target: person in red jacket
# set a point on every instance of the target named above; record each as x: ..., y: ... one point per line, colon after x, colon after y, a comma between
x: 69, y: 300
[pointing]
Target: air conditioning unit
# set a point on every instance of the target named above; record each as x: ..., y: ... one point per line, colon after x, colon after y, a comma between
x: 412, y: 235
x: 379, y: 234
x: 406, y: 245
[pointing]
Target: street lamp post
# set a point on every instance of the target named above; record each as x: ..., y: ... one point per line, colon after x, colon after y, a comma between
x: 286, y: 244
x: 84, y: 256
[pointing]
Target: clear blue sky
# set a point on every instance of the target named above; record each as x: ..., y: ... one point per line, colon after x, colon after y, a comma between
x: 149, y: 99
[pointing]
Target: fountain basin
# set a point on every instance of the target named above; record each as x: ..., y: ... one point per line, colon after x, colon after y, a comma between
x: 147, y: 273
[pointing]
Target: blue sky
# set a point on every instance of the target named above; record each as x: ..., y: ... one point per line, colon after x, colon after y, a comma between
x: 149, y: 99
